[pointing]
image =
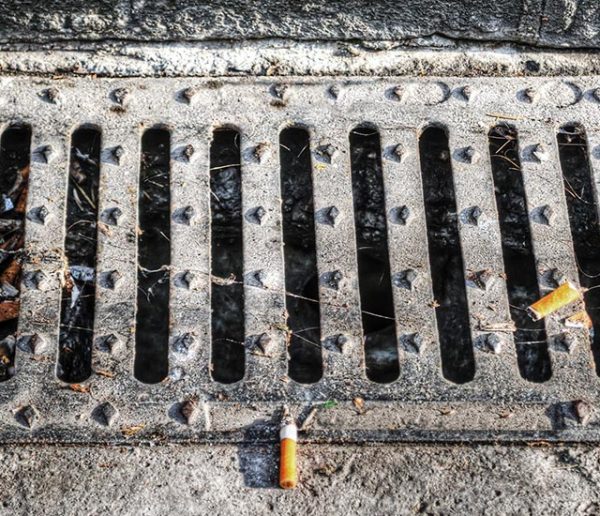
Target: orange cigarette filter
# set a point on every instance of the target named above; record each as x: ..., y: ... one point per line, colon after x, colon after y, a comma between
x: 288, y: 472
x: 562, y: 296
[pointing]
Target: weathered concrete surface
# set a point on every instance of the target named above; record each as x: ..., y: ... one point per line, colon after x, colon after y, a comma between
x: 571, y: 23
x: 567, y: 21
x: 277, y: 57
x: 185, y: 480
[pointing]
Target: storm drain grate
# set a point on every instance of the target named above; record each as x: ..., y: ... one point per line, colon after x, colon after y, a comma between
x: 420, y: 218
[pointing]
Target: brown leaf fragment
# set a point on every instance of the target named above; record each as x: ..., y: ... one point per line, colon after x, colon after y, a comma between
x: 359, y: 404
x: 104, y: 229
x: 67, y: 281
x: 130, y: 431
x: 41, y: 358
x: 11, y: 273
x: 309, y: 419
x: 21, y: 204
x: 9, y: 310
x: 77, y: 387
x: 106, y: 374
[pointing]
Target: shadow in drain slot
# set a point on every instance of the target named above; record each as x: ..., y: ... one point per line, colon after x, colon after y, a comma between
x: 227, y: 298
x: 300, y: 255
x: 445, y: 255
x: 154, y: 258
x: 14, y: 178
x: 79, y: 282
x: 374, y: 277
x: 583, y: 218
x: 517, y: 252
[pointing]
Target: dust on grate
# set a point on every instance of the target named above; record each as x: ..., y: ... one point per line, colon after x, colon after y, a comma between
x: 377, y: 251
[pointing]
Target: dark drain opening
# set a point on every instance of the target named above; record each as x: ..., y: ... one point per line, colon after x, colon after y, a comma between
x: 517, y: 251
x: 374, y: 278
x: 79, y: 282
x: 14, y: 177
x: 227, y: 289
x: 583, y: 219
x: 154, y: 258
x: 300, y: 254
x: 445, y: 256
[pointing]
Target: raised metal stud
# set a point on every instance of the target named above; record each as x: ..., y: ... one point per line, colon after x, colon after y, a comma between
x: 107, y: 343
x: 34, y: 344
x: 110, y: 279
x: 411, y: 343
x: 188, y: 95
x: 480, y: 279
x: 332, y: 279
x: 120, y: 96
x: 184, y: 280
x: 183, y: 345
x: 117, y: 153
x: 326, y: 153
x: 471, y: 215
x: 35, y: 280
x: 111, y: 216
x: 27, y: 416
x: 184, y: 215
x: 105, y: 414
x: 328, y: 216
x: 256, y: 215
x: 50, y: 95
x: 400, y: 215
x: 405, y: 279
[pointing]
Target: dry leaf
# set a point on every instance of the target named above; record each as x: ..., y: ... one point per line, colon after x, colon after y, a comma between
x: 11, y: 273
x: 104, y: 229
x: 129, y: 431
x: 22, y: 199
x: 107, y: 374
x: 359, y: 404
x: 9, y: 310
x: 77, y: 387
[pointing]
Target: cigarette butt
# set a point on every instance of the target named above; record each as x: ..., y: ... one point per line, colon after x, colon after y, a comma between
x: 559, y: 297
x: 580, y: 320
x: 288, y: 472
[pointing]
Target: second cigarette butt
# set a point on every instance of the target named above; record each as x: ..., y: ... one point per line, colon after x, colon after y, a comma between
x: 562, y: 296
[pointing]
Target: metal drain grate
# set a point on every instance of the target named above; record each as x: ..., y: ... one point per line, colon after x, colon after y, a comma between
x: 494, y: 402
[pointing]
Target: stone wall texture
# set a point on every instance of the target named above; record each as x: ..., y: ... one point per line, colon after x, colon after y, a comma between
x: 549, y: 23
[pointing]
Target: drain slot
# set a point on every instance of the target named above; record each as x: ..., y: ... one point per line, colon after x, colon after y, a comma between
x: 517, y: 251
x: 374, y: 277
x: 14, y: 177
x: 300, y: 255
x: 445, y: 256
x: 583, y: 219
x: 79, y: 282
x: 227, y: 289
x: 154, y: 258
